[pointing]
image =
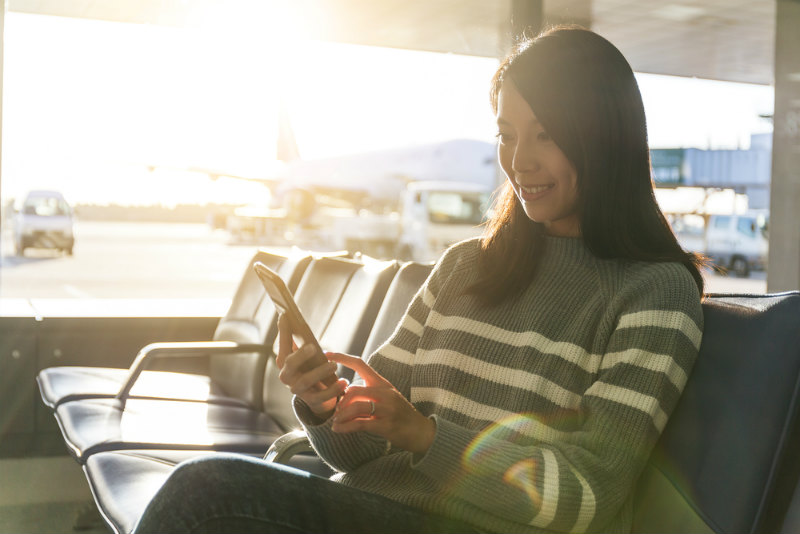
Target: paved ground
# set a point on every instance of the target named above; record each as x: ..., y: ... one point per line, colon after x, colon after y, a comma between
x: 151, y: 260
x: 119, y: 260
x: 755, y: 283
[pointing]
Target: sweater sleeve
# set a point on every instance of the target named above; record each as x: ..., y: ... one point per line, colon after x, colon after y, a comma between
x: 393, y: 360
x: 578, y: 481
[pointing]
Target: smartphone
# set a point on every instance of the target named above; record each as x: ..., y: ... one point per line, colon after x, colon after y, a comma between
x: 285, y: 304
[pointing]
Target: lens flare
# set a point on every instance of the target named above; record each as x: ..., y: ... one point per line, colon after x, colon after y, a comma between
x: 521, y: 429
x: 505, y: 429
x: 523, y: 476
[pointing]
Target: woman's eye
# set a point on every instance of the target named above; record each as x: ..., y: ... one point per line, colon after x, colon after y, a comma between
x: 503, y: 137
x: 543, y: 136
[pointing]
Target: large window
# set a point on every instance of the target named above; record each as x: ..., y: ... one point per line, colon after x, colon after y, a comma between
x: 166, y: 140
x: 181, y: 148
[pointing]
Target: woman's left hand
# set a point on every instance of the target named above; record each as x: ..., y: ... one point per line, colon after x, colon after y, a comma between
x: 378, y: 408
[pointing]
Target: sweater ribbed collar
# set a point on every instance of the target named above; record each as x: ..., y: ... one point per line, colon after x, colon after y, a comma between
x: 566, y: 250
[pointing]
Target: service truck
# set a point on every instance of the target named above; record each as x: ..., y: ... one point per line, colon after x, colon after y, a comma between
x: 430, y: 216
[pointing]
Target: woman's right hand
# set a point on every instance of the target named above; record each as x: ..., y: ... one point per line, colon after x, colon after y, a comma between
x: 306, y: 383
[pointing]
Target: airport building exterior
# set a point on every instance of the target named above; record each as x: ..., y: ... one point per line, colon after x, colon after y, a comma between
x: 746, y: 171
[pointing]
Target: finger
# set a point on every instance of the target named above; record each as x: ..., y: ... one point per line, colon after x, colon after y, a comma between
x: 313, y: 377
x: 356, y: 390
x: 367, y: 403
x: 315, y: 399
x: 358, y: 365
x: 355, y: 394
x: 357, y: 410
x: 295, y: 364
x: 285, y: 341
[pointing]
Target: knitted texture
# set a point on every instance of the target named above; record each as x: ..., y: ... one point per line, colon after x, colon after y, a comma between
x: 546, y: 406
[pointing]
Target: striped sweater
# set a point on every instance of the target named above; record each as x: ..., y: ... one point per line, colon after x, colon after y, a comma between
x: 546, y: 406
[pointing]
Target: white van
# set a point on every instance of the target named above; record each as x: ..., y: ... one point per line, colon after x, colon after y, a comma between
x: 737, y: 242
x: 437, y: 214
x: 43, y: 219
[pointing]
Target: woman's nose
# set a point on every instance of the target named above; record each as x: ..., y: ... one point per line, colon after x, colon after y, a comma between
x: 524, y: 160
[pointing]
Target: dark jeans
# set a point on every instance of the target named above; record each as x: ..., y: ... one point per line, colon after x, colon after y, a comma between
x: 232, y: 493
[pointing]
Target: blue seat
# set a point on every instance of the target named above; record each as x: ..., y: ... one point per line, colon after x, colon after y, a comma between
x: 235, y: 376
x: 330, y: 287
x: 123, y: 482
x: 727, y: 460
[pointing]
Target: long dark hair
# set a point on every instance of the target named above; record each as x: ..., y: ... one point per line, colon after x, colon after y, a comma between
x: 584, y: 93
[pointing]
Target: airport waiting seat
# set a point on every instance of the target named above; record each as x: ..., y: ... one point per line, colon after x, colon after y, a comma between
x: 234, y: 376
x: 727, y: 460
x: 330, y: 290
x: 406, y: 284
x: 123, y: 482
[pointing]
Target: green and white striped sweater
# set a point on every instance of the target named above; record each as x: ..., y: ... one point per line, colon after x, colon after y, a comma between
x: 546, y: 407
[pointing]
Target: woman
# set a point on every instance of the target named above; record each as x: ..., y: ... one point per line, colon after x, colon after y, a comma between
x: 534, y: 371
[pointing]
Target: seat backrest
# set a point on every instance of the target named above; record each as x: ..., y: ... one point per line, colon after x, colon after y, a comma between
x: 354, y: 316
x: 249, y: 293
x: 251, y: 318
x: 404, y: 286
x: 727, y: 460
x: 318, y: 294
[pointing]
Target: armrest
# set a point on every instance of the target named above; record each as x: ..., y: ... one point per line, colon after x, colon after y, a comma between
x: 286, y: 446
x: 181, y: 349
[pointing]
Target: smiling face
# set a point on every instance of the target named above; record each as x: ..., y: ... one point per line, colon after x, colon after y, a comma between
x: 544, y: 180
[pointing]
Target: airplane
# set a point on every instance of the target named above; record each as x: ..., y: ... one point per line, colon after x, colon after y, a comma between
x: 374, y: 178
x: 333, y: 200
x: 381, y: 176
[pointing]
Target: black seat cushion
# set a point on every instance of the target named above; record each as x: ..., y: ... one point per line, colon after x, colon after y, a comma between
x: 123, y: 482
x: 93, y: 425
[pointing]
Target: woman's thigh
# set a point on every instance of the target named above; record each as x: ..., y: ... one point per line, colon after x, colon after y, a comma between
x: 232, y: 493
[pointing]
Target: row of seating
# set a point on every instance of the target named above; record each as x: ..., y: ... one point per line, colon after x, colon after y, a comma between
x: 129, y: 428
x: 727, y: 461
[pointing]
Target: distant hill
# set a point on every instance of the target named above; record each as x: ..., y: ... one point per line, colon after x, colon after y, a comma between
x: 213, y: 214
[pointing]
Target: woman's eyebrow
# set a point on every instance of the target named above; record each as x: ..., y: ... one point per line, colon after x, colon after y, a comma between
x: 503, y: 122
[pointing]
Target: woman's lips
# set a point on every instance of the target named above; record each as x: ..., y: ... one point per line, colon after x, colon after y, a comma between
x: 534, y: 192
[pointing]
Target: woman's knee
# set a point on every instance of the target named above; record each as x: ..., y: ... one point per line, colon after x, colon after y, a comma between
x: 201, y: 472
x: 231, y: 474
x: 195, y: 489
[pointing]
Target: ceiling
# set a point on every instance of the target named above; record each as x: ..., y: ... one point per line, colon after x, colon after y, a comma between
x: 716, y: 39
